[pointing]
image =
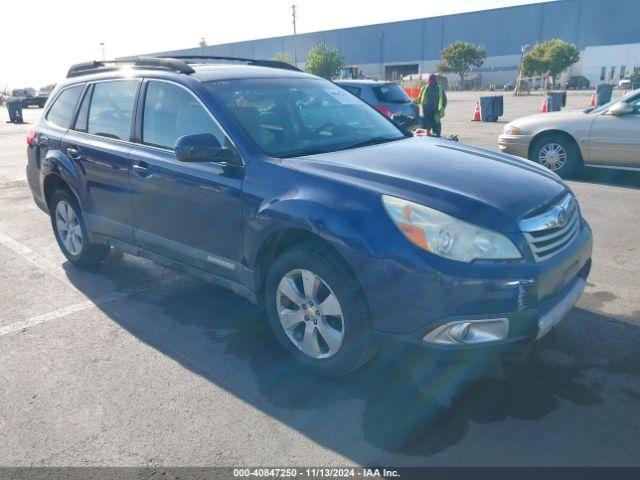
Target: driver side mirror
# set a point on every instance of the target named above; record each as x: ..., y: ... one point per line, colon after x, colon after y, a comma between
x: 205, y: 147
x: 620, y: 108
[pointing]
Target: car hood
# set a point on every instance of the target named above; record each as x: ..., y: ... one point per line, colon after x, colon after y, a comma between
x: 548, y: 120
x: 481, y: 186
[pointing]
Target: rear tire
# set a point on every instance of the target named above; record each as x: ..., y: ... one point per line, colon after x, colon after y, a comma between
x: 557, y: 153
x: 71, y: 233
x: 322, y: 300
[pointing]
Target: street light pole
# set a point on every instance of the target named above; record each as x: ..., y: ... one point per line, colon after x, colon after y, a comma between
x: 523, y: 48
x: 102, y: 48
x: 294, y: 15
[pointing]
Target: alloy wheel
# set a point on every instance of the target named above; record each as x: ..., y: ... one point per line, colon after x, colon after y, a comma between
x: 68, y: 228
x: 553, y: 156
x: 310, y: 314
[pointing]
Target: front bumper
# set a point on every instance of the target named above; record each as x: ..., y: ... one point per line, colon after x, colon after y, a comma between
x: 515, y: 144
x: 530, y: 297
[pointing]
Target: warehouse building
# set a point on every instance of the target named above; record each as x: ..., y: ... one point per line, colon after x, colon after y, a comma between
x: 606, y: 32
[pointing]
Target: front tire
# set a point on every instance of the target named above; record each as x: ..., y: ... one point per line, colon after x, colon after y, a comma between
x: 557, y: 153
x: 71, y: 233
x: 318, y: 311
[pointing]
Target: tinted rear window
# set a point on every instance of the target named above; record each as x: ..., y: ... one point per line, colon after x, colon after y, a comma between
x: 61, y: 112
x: 391, y: 93
x: 354, y: 90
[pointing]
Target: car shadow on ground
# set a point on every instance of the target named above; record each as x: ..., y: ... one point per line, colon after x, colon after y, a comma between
x: 609, y: 176
x: 406, y: 401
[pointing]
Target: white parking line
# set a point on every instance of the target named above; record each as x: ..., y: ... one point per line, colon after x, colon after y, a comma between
x: 56, y: 272
x: 32, y: 257
x: 63, y: 312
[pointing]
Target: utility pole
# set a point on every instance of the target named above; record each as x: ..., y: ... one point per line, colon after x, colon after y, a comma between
x: 294, y: 15
x: 102, y: 48
x: 523, y: 49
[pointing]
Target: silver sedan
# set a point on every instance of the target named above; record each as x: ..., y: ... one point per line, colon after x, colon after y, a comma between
x: 606, y: 136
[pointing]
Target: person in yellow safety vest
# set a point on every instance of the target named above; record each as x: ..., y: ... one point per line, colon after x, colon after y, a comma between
x: 433, y: 101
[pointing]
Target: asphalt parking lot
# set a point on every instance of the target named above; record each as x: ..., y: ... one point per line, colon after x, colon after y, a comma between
x: 134, y: 364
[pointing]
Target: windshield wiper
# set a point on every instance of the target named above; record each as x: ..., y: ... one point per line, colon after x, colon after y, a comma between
x: 372, y: 141
x: 304, y: 151
x: 317, y: 150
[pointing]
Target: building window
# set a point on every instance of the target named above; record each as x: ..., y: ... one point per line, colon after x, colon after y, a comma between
x: 603, y: 73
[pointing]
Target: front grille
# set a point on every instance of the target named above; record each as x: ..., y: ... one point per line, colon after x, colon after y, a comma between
x: 553, y: 230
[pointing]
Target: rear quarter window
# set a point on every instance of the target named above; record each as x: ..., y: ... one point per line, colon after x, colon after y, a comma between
x: 61, y: 112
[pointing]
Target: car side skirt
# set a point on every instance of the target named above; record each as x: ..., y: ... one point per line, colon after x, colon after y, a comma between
x: 241, y: 289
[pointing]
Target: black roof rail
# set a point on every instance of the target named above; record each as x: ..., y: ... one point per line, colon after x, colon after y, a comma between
x: 153, y: 63
x: 248, y: 61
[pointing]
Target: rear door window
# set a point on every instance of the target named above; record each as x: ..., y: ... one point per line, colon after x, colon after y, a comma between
x: 61, y: 112
x: 111, y: 109
x: 83, y: 113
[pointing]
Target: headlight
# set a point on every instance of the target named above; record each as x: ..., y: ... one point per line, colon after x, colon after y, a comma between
x: 511, y: 130
x: 448, y: 236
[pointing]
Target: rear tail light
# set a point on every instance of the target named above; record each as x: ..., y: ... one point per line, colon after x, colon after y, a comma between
x: 384, y: 110
x: 31, y: 136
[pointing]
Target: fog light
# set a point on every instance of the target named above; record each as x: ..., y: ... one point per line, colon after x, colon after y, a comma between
x: 459, y: 332
x: 469, y: 332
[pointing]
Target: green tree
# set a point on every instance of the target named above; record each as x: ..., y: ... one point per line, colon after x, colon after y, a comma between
x: 635, y: 76
x: 283, y: 57
x: 460, y: 56
x: 552, y: 57
x: 324, y: 61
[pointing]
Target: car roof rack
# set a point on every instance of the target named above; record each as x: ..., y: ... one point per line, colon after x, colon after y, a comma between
x: 248, y: 61
x: 153, y: 63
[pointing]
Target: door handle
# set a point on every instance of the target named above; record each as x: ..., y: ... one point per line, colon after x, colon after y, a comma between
x: 142, y: 169
x: 73, y: 153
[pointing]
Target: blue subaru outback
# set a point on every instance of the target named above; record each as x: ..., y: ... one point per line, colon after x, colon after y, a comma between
x: 295, y: 193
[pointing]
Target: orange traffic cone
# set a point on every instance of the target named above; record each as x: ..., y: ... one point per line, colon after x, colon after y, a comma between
x: 545, y: 106
x: 476, y: 114
x: 592, y: 102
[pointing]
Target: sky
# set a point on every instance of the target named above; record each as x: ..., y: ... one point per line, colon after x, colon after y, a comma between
x: 58, y: 33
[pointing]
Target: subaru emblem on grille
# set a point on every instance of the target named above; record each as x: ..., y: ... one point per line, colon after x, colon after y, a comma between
x: 552, y: 230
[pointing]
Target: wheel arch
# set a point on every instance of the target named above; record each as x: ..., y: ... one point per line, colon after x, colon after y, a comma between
x: 538, y: 136
x: 53, y: 182
x: 59, y: 171
x: 281, y: 241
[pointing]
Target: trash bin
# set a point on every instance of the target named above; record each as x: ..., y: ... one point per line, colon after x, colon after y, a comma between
x: 563, y: 96
x: 498, y: 105
x: 555, y: 101
x: 603, y: 93
x: 488, y: 111
x: 14, y: 107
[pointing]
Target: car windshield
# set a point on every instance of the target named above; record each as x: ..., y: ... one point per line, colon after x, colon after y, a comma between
x: 391, y: 93
x: 289, y: 117
x: 629, y: 98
